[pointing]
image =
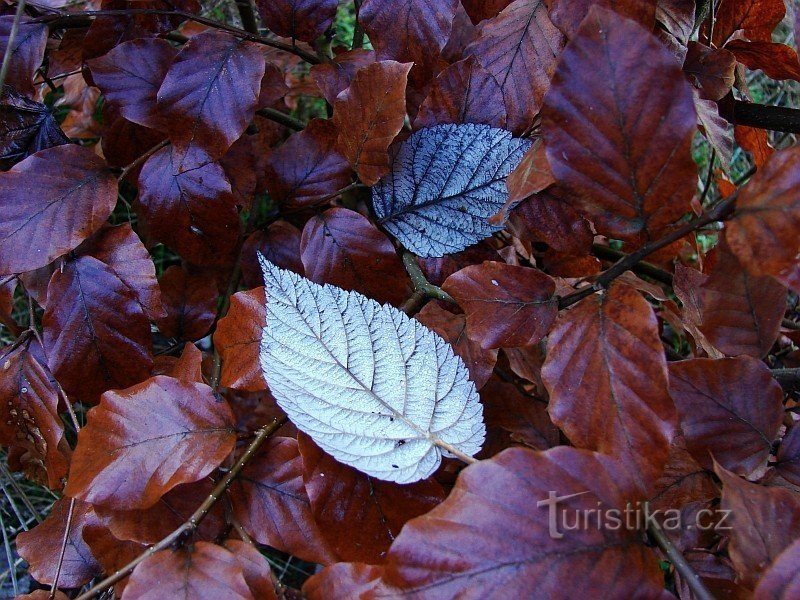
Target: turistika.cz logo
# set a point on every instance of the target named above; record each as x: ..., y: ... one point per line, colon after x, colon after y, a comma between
x: 635, y: 516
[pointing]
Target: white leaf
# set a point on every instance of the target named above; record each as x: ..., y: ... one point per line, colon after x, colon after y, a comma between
x: 374, y: 389
x: 444, y: 184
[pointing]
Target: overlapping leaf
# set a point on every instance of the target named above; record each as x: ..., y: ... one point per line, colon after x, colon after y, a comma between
x: 25, y: 128
x: 607, y: 378
x: 376, y: 390
x: 127, y: 462
x: 75, y: 194
x: 237, y: 339
x: 445, y: 183
x: 27, y: 53
x: 304, y: 20
x: 190, y: 303
x: 618, y: 125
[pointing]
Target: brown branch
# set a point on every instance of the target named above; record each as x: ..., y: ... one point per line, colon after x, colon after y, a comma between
x: 358, y: 30
x: 72, y: 20
x: 63, y: 550
x: 762, y: 116
x: 677, y: 559
x: 127, y: 170
x: 717, y: 213
x: 282, y: 118
x: 643, y: 268
x: 193, y: 522
x: 420, y: 283
x: 248, y: 16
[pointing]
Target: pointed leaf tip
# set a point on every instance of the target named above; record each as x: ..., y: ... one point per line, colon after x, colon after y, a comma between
x: 376, y: 390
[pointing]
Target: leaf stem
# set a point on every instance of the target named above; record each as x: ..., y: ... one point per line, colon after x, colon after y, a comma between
x: 197, y: 516
x: 420, y: 283
x: 358, y: 30
x: 717, y: 213
x: 679, y: 562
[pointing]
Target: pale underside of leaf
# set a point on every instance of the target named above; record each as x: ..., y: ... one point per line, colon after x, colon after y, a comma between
x: 445, y: 183
x: 376, y: 390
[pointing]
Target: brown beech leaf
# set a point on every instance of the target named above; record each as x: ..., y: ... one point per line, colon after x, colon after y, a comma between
x: 122, y: 250
x: 453, y: 328
x: 304, y: 20
x: 369, y: 114
x: 111, y: 553
x: 126, y: 462
x: 677, y: 17
x: 27, y: 53
x: 756, y: 142
x: 683, y: 480
x: 341, y: 496
x: 778, y: 61
x: 238, y: 339
x: 25, y: 128
x: 730, y: 411
x: 424, y: 31
x: 190, y: 303
x: 505, y: 305
x: 764, y: 520
x: 270, y: 501
x: 787, y: 462
x: 607, y: 378
x: 490, y: 535
x: 758, y: 19
x: 531, y: 176
x: 202, y: 571
x: 631, y: 172
x: 210, y: 93
x: 781, y: 581
x: 193, y: 212
x: 75, y: 194
x: 29, y: 421
x: 520, y: 47
x: 717, y: 129
x: 149, y: 525
x: 343, y: 248
x: 41, y: 546
x: 479, y: 10
x: 96, y: 335
x: 741, y: 313
x: 130, y: 75
x: 711, y: 68
x: 280, y: 245
x: 255, y: 567
x: 763, y: 231
x: 308, y: 168
x: 568, y: 15
x: 464, y: 92
x: 335, y: 76
x: 548, y: 217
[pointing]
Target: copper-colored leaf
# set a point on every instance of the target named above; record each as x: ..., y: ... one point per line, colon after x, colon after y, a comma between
x: 202, y: 571
x: 27, y: 53
x: 130, y: 75
x: 75, y: 194
x: 424, y: 31
x: 763, y: 232
x: 489, y: 535
x: 711, y: 68
x: 765, y: 522
x: 781, y: 581
x: 520, y: 47
x: 479, y: 361
x: 730, y: 409
x: 308, y: 168
x: 41, y: 546
x: 342, y: 247
x: 717, y: 129
x: 464, y: 92
x: 25, y: 128
x: 505, y: 305
x: 29, y: 420
x: 478, y: 10
x: 210, y: 93
x: 141, y: 442
x: 190, y: 303
x: 335, y: 76
x: 788, y: 459
x: 270, y: 501
x: 622, y: 148
x: 758, y: 19
x: 280, y: 245
x: 778, y: 61
x: 238, y: 339
x: 96, y: 334
x: 607, y: 378
x: 255, y: 567
x: 683, y: 480
x: 568, y: 15
x: 741, y: 313
x: 304, y: 20
x: 111, y: 553
x: 341, y: 496
x: 531, y: 176
x: 368, y: 115
x: 193, y: 212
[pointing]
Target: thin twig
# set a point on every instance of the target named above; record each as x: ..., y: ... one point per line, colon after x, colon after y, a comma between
x: 63, y: 20
x: 9, y: 556
x: 193, y: 522
x: 717, y: 213
x: 127, y: 170
x: 707, y: 185
x: 642, y: 268
x: 12, y: 37
x: 688, y: 574
x: 63, y: 551
x: 358, y: 30
x: 248, y: 16
x: 281, y: 118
